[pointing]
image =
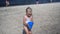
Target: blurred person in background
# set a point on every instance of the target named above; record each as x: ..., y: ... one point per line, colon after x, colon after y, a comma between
x: 37, y: 1
x: 7, y: 3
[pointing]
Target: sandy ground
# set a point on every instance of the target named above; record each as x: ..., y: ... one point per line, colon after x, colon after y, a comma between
x: 46, y: 19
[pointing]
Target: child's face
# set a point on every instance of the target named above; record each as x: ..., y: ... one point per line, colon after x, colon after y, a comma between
x: 29, y: 12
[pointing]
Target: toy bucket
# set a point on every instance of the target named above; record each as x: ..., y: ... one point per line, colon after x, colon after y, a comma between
x: 30, y: 24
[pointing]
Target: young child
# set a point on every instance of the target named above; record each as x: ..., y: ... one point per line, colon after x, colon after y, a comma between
x: 28, y: 17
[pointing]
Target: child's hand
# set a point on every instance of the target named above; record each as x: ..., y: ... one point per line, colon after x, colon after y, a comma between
x: 26, y: 24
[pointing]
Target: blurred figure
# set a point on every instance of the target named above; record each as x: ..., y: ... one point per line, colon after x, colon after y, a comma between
x: 37, y: 2
x: 51, y: 1
x: 7, y: 3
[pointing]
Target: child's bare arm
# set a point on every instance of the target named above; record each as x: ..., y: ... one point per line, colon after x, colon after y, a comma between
x: 24, y: 20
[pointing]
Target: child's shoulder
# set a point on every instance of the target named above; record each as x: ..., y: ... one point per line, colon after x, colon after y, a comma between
x: 25, y: 16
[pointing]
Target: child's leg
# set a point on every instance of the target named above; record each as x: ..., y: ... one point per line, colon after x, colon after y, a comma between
x: 30, y: 32
x: 25, y: 28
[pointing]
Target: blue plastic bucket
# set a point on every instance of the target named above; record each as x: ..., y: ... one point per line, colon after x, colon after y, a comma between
x: 30, y: 24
